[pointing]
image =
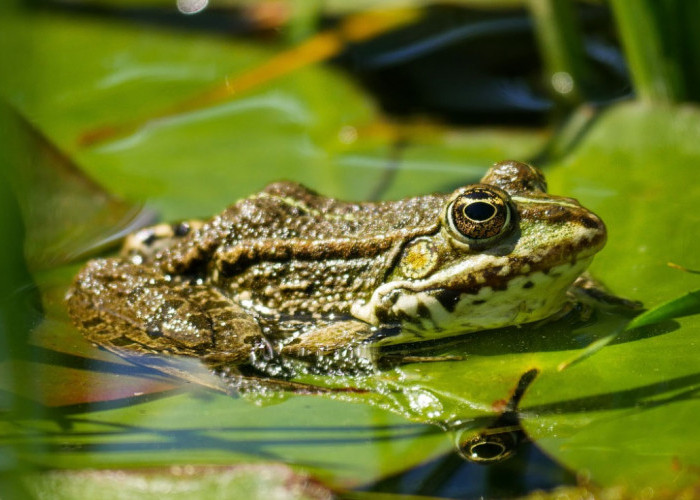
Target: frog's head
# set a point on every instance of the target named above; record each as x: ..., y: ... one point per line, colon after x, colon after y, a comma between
x: 505, y: 253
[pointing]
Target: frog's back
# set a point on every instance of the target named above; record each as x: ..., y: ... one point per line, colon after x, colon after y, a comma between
x: 313, y: 254
x: 290, y: 211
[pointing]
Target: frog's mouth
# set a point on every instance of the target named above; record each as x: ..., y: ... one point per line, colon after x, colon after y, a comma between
x: 432, y: 312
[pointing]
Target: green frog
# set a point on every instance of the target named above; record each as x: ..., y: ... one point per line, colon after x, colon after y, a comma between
x: 288, y: 273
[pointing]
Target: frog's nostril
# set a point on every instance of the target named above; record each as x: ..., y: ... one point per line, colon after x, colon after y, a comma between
x: 391, y: 298
x: 592, y: 221
x: 595, y: 227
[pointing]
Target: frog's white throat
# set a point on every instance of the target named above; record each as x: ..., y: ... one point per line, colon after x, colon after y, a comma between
x: 527, y: 298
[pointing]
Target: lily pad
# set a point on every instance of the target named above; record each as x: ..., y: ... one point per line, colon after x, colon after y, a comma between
x: 627, y: 415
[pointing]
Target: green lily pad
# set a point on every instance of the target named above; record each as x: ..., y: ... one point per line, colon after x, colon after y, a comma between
x: 627, y: 415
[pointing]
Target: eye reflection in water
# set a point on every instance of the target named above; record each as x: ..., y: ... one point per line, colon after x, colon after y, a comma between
x: 501, y: 439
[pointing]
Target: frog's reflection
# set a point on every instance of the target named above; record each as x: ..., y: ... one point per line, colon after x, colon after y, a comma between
x: 501, y: 439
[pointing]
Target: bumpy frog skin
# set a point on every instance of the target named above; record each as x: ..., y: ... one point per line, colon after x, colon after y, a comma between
x: 292, y: 273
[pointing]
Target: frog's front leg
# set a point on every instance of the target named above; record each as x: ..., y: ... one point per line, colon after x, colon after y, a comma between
x: 355, y: 343
x: 126, y: 307
x: 588, y: 289
x: 324, y: 339
x: 343, y: 346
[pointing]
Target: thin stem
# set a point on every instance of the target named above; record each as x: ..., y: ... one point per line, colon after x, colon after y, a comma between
x: 304, y: 20
x: 561, y: 46
x: 652, y: 41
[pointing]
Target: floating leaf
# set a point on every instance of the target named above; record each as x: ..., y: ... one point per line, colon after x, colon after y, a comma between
x: 318, y: 48
x: 626, y: 416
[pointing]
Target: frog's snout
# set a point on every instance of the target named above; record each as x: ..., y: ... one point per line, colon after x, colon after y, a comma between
x: 595, y: 228
x: 583, y: 228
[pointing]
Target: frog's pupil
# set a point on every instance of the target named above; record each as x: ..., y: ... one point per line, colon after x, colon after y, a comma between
x: 479, y: 211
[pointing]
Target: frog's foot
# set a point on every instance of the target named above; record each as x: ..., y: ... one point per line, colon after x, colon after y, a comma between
x: 145, y: 243
x: 128, y: 308
x: 587, y: 289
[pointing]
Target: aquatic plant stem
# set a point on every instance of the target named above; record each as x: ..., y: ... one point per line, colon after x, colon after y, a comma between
x: 561, y: 47
x: 304, y: 20
x: 648, y: 34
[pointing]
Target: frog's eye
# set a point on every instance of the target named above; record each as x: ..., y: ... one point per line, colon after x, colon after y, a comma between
x: 479, y: 214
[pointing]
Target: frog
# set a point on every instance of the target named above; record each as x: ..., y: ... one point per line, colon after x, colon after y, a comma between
x: 288, y: 273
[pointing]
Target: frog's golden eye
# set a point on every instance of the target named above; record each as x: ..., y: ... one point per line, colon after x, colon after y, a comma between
x: 479, y: 214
